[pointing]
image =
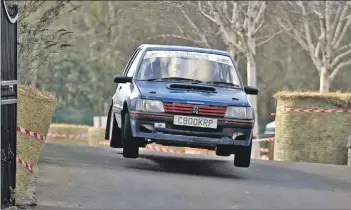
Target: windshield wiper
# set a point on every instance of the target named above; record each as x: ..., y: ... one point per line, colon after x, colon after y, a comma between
x: 224, y: 83
x: 175, y: 79
x: 153, y: 79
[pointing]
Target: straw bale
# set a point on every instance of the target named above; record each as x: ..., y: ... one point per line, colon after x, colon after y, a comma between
x: 34, y: 111
x: 25, y: 186
x: 68, y: 129
x: 312, y: 137
x: 270, y: 147
x: 23, y: 177
x: 96, y: 134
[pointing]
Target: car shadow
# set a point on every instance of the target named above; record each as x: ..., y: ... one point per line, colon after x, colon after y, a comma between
x: 283, y: 174
x: 195, y: 165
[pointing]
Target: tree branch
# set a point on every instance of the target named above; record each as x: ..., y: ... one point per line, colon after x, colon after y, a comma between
x: 340, y: 57
x: 204, y: 14
x: 193, y: 25
x: 294, y: 34
x: 260, y: 14
x: 258, y: 27
x: 337, y: 16
x: 311, y: 48
x: 346, y: 26
x: 174, y: 36
x: 339, y: 25
x: 269, y: 38
x: 338, y: 68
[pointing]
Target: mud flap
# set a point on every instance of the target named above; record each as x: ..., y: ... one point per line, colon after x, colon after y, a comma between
x: 107, y: 130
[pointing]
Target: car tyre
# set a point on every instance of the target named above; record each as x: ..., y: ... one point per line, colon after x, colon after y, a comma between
x: 130, y: 144
x: 223, y: 151
x: 114, y: 133
x: 242, y: 157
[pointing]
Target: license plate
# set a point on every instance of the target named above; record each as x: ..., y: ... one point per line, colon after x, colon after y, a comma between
x: 195, y: 121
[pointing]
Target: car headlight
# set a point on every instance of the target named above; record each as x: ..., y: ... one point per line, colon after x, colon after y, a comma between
x: 149, y: 105
x: 239, y: 112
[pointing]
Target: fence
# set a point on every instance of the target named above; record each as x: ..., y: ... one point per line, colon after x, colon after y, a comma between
x: 8, y: 101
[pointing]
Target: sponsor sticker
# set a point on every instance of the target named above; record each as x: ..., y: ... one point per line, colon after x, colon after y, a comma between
x: 194, y: 55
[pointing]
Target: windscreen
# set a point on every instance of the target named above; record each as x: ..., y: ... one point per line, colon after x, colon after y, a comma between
x: 191, y: 65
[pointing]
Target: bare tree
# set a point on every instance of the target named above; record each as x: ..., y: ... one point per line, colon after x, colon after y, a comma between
x: 242, y: 26
x: 320, y: 28
x: 180, y: 21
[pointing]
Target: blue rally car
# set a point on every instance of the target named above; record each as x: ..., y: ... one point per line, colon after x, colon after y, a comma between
x: 182, y: 96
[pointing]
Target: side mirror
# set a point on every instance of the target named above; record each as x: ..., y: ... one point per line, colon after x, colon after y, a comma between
x: 122, y: 79
x: 251, y: 90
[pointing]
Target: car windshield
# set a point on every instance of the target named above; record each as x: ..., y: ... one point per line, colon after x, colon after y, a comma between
x: 188, y: 66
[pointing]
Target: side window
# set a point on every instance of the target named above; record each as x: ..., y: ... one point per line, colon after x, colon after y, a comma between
x: 130, y: 61
x: 134, y: 65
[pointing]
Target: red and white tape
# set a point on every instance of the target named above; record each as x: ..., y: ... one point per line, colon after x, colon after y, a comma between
x: 190, y: 150
x: 25, y: 164
x: 67, y: 136
x: 103, y: 143
x: 161, y: 148
x: 264, y: 150
x: 318, y: 110
x: 35, y: 135
x: 264, y: 157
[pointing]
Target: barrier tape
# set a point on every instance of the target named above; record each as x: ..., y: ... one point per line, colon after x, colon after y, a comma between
x: 264, y: 157
x: 264, y: 148
x: 35, y: 135
x: 189, y: 150
x: 25, y: 164
x: 318, y: 110
x: 315, y: 110
x: 31, y: 133
x: 161, y: 149
x: 68, y: 136
x: 103, y: 143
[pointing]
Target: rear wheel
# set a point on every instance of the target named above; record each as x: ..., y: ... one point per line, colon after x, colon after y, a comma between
x: 130, y: 144
x: 115, y: 132
x: 242, y: 157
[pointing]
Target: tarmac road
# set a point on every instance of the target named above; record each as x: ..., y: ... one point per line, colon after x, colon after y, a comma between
x: 99, y: 177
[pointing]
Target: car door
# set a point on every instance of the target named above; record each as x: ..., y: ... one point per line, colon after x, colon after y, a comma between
x: 123, y: 89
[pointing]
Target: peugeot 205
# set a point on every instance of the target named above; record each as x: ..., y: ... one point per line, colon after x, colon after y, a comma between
x: 185, y: 97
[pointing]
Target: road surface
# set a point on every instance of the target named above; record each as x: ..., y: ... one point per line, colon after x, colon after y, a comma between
x: 99, y: 177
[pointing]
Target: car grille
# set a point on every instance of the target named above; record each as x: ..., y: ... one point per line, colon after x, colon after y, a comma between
x: 204, y: 110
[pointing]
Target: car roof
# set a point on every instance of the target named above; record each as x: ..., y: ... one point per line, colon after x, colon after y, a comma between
x: 183, y: 48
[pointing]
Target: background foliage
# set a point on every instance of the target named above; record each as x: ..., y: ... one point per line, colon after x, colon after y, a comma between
x: 74, y: 49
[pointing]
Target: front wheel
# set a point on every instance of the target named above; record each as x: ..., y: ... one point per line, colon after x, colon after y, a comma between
x: 130, y: 144
x: 242, y: 157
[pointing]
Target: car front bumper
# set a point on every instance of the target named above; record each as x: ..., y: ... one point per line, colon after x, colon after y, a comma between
x: 228, y: 132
